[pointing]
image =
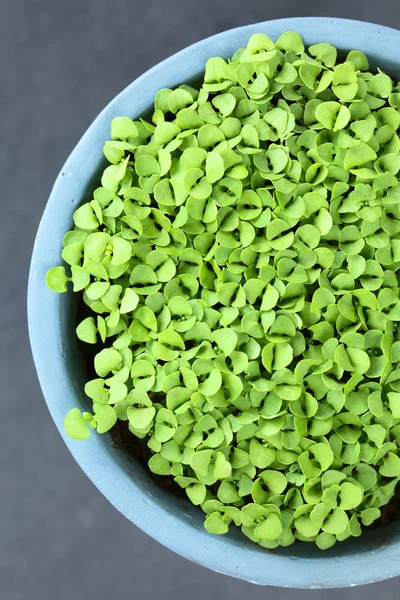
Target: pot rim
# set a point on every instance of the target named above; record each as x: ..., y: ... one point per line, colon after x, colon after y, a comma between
x: 219, y: 553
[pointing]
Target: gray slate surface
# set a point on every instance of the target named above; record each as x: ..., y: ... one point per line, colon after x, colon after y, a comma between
x: 61, y: 61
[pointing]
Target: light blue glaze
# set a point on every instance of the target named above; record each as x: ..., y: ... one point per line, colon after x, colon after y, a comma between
x: 175, y: 523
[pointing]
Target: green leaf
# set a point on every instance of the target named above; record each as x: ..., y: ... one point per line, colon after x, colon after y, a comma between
x: 325, y: 541
x: 196, y: 493
x: 201, y: 460
x: 394, y: 404
x: 222, y: 467
x: 270, y: 529
x: 129, y: 301
x: 105, y: 417
x: 165, y: 132
x: 277, y: 356
x: 87, y: 331
x: 350, y: 495
x: 159, y: 465
x: 333, y: 115
x: 214, y: 167
x: 80, y: 278
x: 123, y: 128
x: 141, y: 418
x: 85, y: 218
x: 215, y: 523
x: 358, y: 155
x: 290, y: 41
x: 56, y: 279
x: 75, y: 425
x: 391, y: 466
x: 326, y: 53
x: 107, y: 360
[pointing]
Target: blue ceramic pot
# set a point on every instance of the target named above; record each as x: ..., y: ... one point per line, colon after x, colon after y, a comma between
x: 174, y: 522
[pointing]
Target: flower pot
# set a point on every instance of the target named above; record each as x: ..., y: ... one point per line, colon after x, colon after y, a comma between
x: 127, y: 485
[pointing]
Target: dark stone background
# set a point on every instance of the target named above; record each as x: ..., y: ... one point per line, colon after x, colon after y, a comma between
x: 61, y: 61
